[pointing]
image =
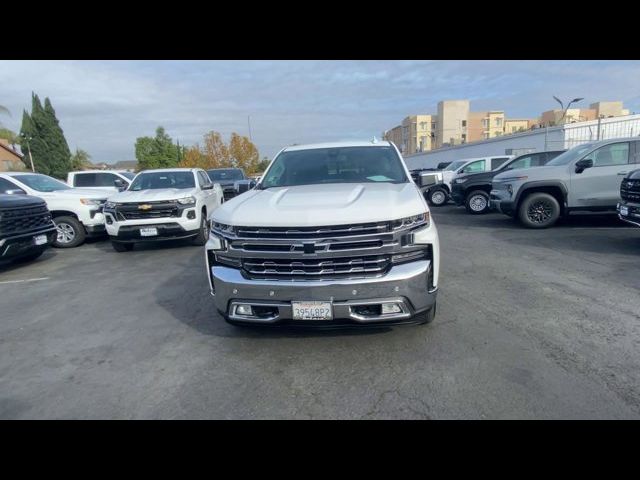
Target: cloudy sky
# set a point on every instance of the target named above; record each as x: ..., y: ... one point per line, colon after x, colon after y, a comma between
x: 103, y: 106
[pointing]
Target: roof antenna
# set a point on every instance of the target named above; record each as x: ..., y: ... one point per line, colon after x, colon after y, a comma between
x: 374, y: 140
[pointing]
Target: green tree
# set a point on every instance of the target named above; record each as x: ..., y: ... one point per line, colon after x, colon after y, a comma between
x: 80, y: 159
x: 59, y: 152
x: 157, y: 152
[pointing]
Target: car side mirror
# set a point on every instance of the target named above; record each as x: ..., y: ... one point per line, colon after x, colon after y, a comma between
x: 207, y: 186
x: 15, y: 191
x: 582, y: 165
x: 120, y: 184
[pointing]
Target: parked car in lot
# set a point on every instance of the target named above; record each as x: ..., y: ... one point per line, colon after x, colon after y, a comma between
x: 472, y: 189
x: 232, y: 180
x: 334, y: 234
x: 164, y: 204
x: 26, y: 227
x: 439, y: 194
x: 629, y: 207
x: 585, y: 178
x: 77, y: 213
x: 114, y: 180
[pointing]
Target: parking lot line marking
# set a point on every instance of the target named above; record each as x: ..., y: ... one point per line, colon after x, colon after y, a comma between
x: 24, y: 281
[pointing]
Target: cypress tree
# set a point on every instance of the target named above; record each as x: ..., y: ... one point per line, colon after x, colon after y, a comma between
x: 31, y: 132
x: 58, y: 146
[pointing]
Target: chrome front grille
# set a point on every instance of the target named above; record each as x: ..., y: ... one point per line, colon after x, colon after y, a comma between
x: 318, y: 253
x: 144, y: 210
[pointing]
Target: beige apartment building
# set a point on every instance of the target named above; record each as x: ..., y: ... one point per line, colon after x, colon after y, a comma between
x: 515, y: 125
x: 595, y: 111
x: 414, y: 135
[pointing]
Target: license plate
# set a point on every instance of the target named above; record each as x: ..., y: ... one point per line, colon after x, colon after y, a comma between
x: 40, y: 239
x: 148, y: 232
x: 312, y: 310
x: 624, y: 211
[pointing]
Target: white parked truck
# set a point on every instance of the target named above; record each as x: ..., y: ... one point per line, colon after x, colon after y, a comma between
x: 76, y: 212
x: 113, y: 180
x: 164, y: 204
x: 334, y: 234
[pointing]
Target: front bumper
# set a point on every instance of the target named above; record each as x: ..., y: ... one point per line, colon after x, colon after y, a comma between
x: 502, y: 201
x: 406, y: 285
x: 633, y: 213
x: 23, y: 244
x: 166, y: 231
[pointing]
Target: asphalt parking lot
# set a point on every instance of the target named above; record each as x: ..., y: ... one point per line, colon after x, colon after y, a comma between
x: 531, y: 324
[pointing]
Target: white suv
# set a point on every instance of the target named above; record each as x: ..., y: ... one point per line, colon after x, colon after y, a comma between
x: 114, y: 180
x: 77, y: 213
x: 162, y: 205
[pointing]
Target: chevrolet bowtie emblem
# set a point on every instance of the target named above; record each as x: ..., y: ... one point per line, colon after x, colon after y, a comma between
x: 144, y: 207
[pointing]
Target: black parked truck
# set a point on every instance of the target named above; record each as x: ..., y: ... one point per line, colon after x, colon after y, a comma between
x: 26, y: 228
x: 232, y: 180
x: 629, y: 207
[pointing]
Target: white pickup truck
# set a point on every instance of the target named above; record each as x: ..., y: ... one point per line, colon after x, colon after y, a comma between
x: 333, y: 235
x: 164, y: 204
x: 113, y: 180
x: 77, y: 213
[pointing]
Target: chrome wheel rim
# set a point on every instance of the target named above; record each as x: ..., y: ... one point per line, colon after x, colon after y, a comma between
x: 477, y: 203
x: 438, y: 198
x: 539, y: 212
x: 66, y: 233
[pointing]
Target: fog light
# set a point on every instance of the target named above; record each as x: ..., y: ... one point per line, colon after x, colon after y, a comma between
x: 244, y: 310
x: 390, y: 308
x: 191, y: 214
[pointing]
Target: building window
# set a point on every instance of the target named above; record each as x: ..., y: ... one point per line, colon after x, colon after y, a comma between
x: 464, y: 123
x: 485, y: 122
x: 498, y: 122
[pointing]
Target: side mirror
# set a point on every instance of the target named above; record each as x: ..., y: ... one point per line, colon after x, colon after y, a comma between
x: 207, y: 186
x: 121, y: 185
x: 15, y: 191
x: 582, y: 165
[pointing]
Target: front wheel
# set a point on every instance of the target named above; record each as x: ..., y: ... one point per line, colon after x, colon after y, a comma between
x: 437, y: 196
x: 477, y: 202
x: 203, y: 232
x: 539, y: 210
x: 70, y: 232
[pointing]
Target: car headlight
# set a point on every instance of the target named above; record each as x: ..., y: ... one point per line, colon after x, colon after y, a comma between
x: 221, y: 227
x: 409, y: 222
x: 187, y: 201
x: 460, y: 180
x: 91, y: 201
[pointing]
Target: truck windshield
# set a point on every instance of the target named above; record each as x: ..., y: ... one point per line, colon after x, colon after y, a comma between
x: 225, y: 174
x: 128, y: 175
x: 158, y: 180
x: 455, y: 165
x: 335, y: 165
x: 42, y: 183
x: 570, y: 155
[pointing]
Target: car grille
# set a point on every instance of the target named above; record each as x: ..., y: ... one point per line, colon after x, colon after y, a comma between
x: 314, y: 253
x: 630, y: 190
x: 23, y: 220
x: 351, y: 267
x: 144, y: 210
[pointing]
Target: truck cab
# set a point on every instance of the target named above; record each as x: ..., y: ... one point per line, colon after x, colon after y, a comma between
x: 112, y: 180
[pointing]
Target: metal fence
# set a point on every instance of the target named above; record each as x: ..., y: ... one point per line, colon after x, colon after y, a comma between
x: 570, y: 135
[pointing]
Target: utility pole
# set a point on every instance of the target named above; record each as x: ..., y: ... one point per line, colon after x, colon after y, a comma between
x: 249, y: 122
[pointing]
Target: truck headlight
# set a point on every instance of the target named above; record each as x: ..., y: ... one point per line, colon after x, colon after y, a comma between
x: 223, y: 227
x: 412, y: 221
x: 110, y: 205
x: 187, y: 201
x: 460, y: 180
x: 91, y: 201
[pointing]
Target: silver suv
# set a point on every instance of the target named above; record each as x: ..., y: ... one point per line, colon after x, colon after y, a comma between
x: 585, y: 178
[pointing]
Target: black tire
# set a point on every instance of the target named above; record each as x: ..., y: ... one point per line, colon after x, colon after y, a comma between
x: 71, y: 233
x: 427, y: 317
x: 121, y: 246
x: 539, y: 210
x: 477, y: 202
x: 30, y: 257
x: 437, y: 196
x: 203, y: 233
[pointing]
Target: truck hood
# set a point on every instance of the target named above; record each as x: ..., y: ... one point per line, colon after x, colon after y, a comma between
x: 316, y: 205
x: 155, y: 195
x: 79, y: 193
x: 535, y: 173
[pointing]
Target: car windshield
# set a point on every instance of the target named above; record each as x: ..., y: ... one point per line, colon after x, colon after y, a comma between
x: 570, y: 155
x: 158, y: 180
x: 128, y: 175
x: 42, y: 183
x: 335, y: 165
x: 455, y: 165
x: 225, y: 174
